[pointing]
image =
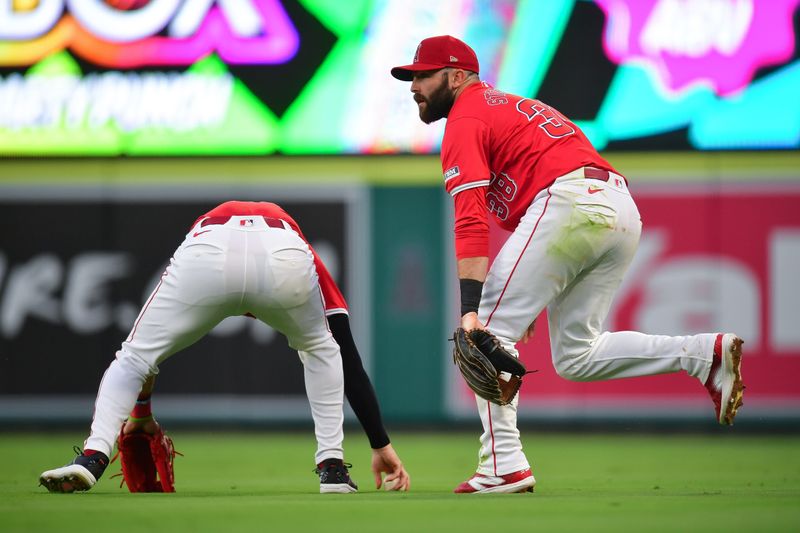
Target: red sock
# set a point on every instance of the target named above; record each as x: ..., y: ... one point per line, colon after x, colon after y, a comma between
x: 142, y: 408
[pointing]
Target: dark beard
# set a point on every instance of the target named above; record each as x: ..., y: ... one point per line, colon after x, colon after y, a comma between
x: 438, y: 105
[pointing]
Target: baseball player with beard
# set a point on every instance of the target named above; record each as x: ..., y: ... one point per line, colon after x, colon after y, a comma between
x: 240, y: 258
x: 575, y: 229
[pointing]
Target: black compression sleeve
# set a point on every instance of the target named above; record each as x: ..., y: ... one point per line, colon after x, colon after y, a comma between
x: 357, y: 386
x: 471, y: 290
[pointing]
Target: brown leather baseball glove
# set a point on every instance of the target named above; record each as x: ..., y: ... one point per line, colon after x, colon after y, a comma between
x: 147, y: 461
x: 481, y: 358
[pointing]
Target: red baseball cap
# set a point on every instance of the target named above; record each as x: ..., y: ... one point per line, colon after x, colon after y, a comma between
x: 434, y: 53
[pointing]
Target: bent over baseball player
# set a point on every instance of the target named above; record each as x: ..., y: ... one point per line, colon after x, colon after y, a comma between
x: 574, y: 231
x: 240, y: 258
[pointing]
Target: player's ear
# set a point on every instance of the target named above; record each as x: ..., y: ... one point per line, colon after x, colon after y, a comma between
x: 458, y: 78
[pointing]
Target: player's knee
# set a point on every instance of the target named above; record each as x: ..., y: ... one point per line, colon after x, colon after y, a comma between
x: 565, y: 372
x: 573, y: 361
x: 322, y: 348
x: 136, y: 363
x: 572, y: 370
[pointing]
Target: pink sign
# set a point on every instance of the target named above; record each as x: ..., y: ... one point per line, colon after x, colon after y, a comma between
x: 716, y: 42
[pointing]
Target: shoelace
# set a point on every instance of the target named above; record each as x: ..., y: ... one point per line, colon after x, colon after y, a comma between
x: 78, y: 451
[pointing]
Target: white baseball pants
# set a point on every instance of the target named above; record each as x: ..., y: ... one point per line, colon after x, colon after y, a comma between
x: 569, y: 254
x: 242, y: 266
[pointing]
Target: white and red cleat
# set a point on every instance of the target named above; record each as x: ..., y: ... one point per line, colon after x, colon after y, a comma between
x: 520, y: 481
x: 724, y: 383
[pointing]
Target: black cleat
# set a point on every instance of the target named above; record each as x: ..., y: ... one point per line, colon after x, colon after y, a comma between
x: 334, y: 477
x: 79, y: 475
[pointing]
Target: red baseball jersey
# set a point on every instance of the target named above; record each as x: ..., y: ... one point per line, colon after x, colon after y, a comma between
x: 334, y: 301
x: 499, y: 150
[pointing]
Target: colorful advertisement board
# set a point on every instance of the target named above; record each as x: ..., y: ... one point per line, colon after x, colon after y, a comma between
x: 256, y: 77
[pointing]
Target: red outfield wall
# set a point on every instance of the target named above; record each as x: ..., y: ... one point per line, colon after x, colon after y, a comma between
x: 711, y: 258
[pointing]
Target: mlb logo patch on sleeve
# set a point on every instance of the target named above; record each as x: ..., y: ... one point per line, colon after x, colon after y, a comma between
x: 451, y: 173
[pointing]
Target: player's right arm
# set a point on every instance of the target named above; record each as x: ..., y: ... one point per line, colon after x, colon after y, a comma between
x: 467, y: 178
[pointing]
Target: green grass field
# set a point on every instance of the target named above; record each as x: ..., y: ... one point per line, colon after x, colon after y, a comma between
x: 264, y: 482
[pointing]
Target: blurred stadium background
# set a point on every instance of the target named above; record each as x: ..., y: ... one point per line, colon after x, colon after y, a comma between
x: 121, y: 122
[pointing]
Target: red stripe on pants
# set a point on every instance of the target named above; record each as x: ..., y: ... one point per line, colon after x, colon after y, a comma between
x: 518, y: 259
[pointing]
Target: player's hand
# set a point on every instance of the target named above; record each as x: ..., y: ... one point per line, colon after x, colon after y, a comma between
x: 470, y: 321
x: 528, y: 335
x: 385, y: 460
